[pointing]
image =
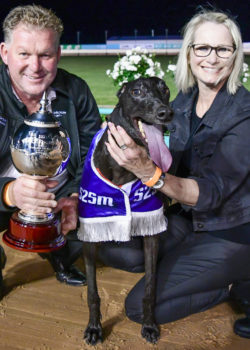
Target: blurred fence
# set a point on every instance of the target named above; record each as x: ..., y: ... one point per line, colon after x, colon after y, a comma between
x: 109, y: 49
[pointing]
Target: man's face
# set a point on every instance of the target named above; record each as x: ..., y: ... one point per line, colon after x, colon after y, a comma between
x: 31, y: 56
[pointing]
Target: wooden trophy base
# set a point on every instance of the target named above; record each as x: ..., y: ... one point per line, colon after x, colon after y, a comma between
x: 34, y: 237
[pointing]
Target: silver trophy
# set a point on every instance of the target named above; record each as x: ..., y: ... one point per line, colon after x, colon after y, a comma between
x: 40, y: 148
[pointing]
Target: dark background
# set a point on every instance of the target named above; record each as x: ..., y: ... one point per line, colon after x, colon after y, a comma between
x: 119, y: 18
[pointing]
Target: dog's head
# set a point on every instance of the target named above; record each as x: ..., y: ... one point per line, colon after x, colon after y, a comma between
x: 145, y: 99
x: 143, y: 109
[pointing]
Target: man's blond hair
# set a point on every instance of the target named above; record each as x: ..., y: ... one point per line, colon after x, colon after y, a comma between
x: 31, y: 16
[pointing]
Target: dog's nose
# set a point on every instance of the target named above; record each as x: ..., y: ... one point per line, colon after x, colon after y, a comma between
x: 164, y: 113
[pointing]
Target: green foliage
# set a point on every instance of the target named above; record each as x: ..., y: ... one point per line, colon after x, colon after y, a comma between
x: 103, y: 117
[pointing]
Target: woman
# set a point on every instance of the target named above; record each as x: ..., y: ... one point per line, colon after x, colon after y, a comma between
x: 207, y: 245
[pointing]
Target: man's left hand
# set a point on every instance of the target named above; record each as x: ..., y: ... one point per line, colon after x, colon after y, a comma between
x: 69, y: 208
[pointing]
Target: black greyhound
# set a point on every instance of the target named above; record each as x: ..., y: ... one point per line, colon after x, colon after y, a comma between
x: 143, y: 103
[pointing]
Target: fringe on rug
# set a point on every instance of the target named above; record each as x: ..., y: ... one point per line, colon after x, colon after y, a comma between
x: 120, y: 228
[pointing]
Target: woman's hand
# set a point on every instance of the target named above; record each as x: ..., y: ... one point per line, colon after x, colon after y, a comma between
x: 135, y: 159
x: 128, y: 154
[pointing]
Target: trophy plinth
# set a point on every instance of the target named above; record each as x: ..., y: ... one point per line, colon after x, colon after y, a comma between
x: 40, y: 149
x: 34, y: 237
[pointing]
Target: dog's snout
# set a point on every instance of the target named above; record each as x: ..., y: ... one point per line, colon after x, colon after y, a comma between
x: 164, y: 113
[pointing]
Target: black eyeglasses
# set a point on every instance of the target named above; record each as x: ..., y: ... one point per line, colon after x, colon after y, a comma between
x: 223, y: 51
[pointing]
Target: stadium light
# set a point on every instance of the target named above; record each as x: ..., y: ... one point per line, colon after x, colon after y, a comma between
x: 78, y: 37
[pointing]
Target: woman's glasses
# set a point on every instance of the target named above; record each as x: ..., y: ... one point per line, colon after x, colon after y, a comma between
x: 223, y: 51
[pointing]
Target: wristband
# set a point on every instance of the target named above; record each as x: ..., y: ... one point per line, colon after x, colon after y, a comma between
x: 6, y: 195
x: 152, y: 181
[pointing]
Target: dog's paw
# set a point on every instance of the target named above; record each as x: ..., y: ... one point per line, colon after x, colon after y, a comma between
x: 150, y: 332
x: 93, y: 334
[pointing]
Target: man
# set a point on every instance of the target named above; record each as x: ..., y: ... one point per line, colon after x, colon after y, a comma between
x: 30, y: 53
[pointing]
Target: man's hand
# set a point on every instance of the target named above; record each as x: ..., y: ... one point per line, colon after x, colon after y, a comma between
x: 31, y: 195
x: 69, y: 208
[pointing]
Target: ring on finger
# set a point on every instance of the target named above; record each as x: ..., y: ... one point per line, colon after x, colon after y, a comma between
x: 123, y: 147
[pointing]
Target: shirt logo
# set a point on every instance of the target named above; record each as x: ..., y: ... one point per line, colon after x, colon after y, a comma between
x: 3, y: 121
x: 59, y: 114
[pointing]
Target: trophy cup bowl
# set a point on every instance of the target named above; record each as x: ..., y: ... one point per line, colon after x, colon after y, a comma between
x: 40, y: 149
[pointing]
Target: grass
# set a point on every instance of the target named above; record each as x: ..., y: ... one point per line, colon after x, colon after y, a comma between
x: 93, y: 70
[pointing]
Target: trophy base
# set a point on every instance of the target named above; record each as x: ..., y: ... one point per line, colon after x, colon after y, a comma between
x: 34, y: 237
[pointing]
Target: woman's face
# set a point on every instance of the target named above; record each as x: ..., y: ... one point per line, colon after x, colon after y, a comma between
x: 212, y: 70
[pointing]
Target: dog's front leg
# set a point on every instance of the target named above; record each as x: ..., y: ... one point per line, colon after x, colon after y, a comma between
x: 93, y: 332
x: 150, y: 330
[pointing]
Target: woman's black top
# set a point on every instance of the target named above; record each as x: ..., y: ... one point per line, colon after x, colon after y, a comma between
x: 238, y: 234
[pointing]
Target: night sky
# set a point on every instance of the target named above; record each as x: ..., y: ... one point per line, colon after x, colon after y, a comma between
x: 120, y: 18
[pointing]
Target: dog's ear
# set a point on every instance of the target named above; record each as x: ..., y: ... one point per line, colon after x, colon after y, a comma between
x: 121, y: 91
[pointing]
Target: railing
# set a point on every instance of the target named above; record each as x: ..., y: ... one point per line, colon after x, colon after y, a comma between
x: 109, y: 50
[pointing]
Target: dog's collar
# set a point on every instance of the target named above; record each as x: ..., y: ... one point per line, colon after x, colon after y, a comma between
x: 99, y: 171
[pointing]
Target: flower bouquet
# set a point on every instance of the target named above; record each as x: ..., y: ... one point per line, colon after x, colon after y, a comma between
x: 135, y: 64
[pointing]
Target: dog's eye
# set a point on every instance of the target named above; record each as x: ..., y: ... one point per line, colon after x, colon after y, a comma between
x: 167, y: 91
x: 136, y: 92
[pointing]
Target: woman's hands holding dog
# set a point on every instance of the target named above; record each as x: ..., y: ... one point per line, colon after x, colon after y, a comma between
x: 134, y: 158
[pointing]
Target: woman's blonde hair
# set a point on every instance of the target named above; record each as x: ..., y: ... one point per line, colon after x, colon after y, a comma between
x: 33, y: 16
x: 184, y: 77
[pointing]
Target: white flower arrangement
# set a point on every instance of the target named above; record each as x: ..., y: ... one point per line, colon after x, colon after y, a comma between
x: 135, y: 64
x: 171, y: 70
x: 245, y: 73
